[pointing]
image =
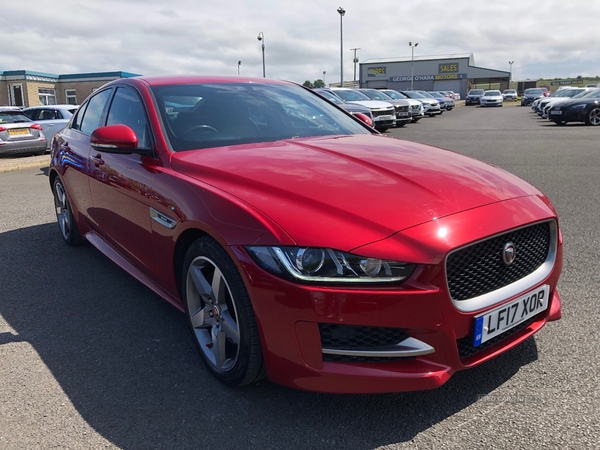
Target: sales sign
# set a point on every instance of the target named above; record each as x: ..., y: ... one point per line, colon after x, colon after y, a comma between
x: 376, y: 71
x: 448, y: 68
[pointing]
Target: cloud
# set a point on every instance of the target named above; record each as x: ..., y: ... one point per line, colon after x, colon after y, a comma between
x: 302, y: 39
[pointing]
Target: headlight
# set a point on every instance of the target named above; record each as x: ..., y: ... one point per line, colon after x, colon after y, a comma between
x: 324, y: 265
x: 580, y: 106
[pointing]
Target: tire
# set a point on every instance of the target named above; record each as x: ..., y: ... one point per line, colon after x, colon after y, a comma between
x: 222, y: 323
x: 593, y: 117
x: 382, y: 129
x: 400, y: 124
x: 449, y: 109
x: 415, y: 120
x: 64, y: 215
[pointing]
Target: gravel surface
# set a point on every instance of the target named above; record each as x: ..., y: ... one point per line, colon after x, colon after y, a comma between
x: 89, y: 358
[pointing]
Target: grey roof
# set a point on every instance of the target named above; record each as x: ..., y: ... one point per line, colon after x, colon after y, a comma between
x: 422, y: 58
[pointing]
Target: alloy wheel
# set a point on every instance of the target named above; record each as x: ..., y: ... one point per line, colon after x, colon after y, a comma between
x: 213, y: 314
x: 63, y: 214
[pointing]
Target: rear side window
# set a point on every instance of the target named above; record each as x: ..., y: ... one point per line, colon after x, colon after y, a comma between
x: 93, y: 112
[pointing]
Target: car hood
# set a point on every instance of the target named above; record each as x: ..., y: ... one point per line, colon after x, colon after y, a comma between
x: 372, y: 104
x: 347, y: 191
x: 579, y: 101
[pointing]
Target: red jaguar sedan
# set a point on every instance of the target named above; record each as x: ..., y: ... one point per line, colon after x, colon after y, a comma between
x: 301, y: 244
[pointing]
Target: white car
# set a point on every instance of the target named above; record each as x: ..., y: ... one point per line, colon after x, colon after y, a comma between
x: 384, y: 113
x: 491, y: 98
x: 509, y: 94
x: 416, y: 107
x: 52, y: 118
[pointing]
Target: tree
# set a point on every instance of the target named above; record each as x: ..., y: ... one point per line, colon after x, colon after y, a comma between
x: 308, y: 84
x: 319, y: 83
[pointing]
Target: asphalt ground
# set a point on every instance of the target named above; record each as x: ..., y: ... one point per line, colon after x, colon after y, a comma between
x: 89, y: 358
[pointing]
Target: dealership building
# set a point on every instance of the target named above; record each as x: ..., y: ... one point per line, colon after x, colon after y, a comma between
x: 457, y: 73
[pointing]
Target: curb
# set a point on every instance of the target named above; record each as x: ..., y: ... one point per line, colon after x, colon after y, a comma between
x: 29, y: 162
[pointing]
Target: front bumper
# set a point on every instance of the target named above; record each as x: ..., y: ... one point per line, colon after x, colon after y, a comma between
x: 567, y: 115
x: 471, y: 101
x: 291, y: 316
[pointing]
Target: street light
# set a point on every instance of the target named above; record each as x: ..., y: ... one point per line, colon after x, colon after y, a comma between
x: 324, y: 73
x: 239, y: 64
x: 412, y: 62
x: 342, y: 11
x: 355, y: 60
x: 261, y: 39
x: 510, y: 63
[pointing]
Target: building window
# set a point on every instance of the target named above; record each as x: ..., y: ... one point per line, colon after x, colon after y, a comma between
x: 71, y: 96
x: 47, y: 96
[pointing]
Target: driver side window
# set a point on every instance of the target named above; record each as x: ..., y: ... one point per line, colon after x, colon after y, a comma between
x: 127, y: 109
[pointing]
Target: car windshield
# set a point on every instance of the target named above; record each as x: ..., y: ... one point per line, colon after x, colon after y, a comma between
x: 509, y: 91
x: 330, y: 96
x: 13, y: 117
x: 591, y: 94
x: 350, y: 95
x: 534, y: 91
x: 377, y: 95
x: 476, y: 92
x: 395, y: 95
x: 221, y: 114
x: 413, y: 94
x: 426, y: 95
x: 492, y: 93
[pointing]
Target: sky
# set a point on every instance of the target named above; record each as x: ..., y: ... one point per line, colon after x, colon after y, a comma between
x: 549, y: 39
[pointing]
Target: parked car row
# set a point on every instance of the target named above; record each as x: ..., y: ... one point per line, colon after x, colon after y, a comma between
x: 570, y: 105
x: 389, y: 108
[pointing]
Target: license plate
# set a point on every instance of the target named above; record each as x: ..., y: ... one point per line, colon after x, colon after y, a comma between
x: 555, y: 112
x: 403, y: 113
x: 495, y: 322
x: 18, y: 131
x: 380, y: 118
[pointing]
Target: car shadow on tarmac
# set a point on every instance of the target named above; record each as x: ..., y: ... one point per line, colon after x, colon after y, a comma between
x: 127, y: 362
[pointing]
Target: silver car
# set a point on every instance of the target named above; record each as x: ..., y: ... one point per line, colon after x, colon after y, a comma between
x: 19, y: 135
x: 52, y: 118
x: 491, y: 98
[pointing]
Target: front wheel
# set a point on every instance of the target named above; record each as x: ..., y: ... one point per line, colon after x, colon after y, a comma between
x: 64, y: 215
x: 220, y: 314
x: 593, y: 117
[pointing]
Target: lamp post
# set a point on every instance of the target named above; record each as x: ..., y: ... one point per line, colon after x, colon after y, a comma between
x: 412, y: 63
x: 261, y: 39
x: 324, y: 73
x: 239, y: 64
x: 355, y: 60
x: 342, y: 11
x: 510, y: 63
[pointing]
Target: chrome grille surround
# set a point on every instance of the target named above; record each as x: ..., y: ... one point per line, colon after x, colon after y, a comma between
x: 511, y: 286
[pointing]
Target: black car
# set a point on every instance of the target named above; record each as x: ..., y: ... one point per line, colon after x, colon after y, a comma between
x: 349, y: 107
x: 585, y: 109
x: 473, y: 97
x: 531, y: 94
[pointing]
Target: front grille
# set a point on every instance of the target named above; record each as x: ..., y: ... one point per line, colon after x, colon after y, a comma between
x: 359, y: 337
x: 385, y: 112
x: 479, y: 268
x: 402, y: 108
x: 466, y: 348
x: 352, y: 337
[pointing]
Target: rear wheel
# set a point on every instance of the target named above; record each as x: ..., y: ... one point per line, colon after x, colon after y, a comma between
x: 593, y: 117
x: 64, y: 214
x: 220, y: 314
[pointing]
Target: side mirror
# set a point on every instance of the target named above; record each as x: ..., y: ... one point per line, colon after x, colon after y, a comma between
x: 117, y: 139
x: 363, y: 117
